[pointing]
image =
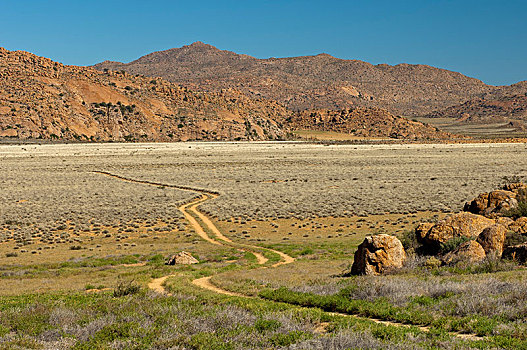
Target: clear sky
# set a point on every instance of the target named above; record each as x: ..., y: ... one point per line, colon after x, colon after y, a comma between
x: 480, y: 38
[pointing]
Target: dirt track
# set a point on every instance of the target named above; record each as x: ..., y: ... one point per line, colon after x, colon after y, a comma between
x: 190, y: 208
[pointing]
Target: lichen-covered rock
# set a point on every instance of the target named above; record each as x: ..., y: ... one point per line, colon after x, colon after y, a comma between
x: 377, y: 254
x: 468, y: 252
x: 422, y: 230
x: 519, y: 226
x: 478, y: 205
x: 456, y: 225
x: 495, y: 202
x: 504, y: 221
x: 516, y: 253
x: 182, y: 258
x: 492, y: 239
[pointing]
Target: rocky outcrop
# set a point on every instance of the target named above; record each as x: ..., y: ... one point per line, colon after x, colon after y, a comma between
x: 468, y: 252
x: 480, y: 236
x: 454, y: 226
x: 42, y: 99
x: 182, y: 258
x: 495, y: 202
x: 492, y: 239
x: 377, y: 254
x: 364, y: 122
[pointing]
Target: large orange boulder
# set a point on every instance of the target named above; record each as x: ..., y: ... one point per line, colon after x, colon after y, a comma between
x: 495, y: 202
x: 492, y: 239
x: 468, y: 252
x: 456, y: 225
x: 377, y: 254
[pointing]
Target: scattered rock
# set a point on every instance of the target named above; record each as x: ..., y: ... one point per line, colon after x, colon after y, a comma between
x: 516, y: 253
x: 456, y: 225
x: 378, y: 254
x: 492, y: 239
x: 182, y: 258
x: 469, y: 252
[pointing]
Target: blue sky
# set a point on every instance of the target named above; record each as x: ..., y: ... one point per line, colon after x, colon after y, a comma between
x: 483, y: 39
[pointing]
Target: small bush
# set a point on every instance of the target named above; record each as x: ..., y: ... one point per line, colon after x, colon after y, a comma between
x: 126, y: 288
x: 521, y: 209
x: 513, y: 238
x: 452, y: 244
x: 409, y: 241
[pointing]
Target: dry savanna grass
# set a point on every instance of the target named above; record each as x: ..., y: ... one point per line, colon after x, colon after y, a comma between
x: 78, y: 249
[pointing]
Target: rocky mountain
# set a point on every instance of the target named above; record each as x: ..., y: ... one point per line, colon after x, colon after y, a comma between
x: 42, y: 99
x: 310, y: 82
x: 364, y: 122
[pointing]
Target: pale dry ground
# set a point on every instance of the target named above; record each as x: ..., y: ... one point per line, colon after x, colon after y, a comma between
x: 51, y: 200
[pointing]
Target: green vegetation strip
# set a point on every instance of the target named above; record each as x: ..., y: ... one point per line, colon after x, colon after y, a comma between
x: 383, y: 310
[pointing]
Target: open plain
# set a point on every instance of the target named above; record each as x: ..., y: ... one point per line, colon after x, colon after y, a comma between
x: 86, y: 229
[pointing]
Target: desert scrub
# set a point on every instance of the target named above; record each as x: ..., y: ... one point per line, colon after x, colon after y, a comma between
x: 148, y: 321
x: 484, y: 304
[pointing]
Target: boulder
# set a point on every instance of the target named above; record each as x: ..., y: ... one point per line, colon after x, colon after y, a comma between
x: 422, y: 230
x: 456, y: 225
x: 495, y: 202
x: 478, y: 205
x: 377, y: 254
x: 492, y: 239
x: 182, y: 258
x: 516, y: 253
x: 504, y: 221
x: 468, y: 252
x: 519, y: 226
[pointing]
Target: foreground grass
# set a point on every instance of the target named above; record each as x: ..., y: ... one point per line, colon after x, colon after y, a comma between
x: 188, y: 321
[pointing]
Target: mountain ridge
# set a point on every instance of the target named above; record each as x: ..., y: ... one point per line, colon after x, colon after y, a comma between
x: 43, y: 99
x: 311, y: 82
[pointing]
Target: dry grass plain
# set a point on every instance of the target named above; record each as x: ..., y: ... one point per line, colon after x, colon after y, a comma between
x: 69, y: 236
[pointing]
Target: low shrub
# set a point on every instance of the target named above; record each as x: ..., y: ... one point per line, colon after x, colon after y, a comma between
x: 452, y: 244
x: 126, y: 288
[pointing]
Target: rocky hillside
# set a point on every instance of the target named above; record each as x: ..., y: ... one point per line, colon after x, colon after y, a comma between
x: 499, y: 109
x: 43, y: 99
x: 310, y: 82
x: 364, y: 122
